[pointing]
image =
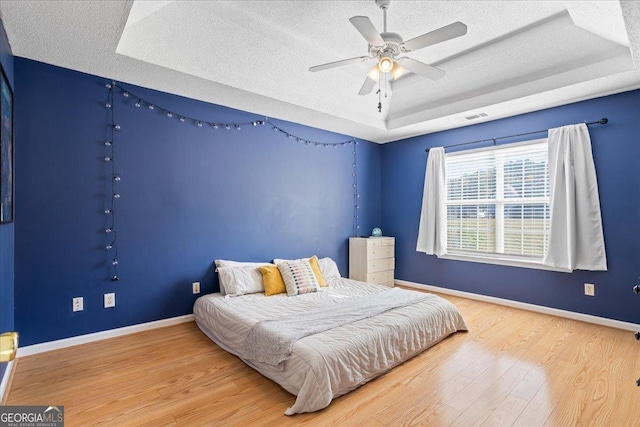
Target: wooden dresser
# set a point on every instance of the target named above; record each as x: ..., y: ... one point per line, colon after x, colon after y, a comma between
x: 372, y: 259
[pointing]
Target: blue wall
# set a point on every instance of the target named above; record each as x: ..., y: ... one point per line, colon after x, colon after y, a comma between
x: 189, y: 195
x: 616, y: 150
x: 6, y: 230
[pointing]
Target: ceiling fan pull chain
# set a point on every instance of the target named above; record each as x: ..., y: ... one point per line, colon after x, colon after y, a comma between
x: 386, y: 87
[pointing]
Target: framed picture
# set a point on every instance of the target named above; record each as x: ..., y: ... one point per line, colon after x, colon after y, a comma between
x: 6, y: 150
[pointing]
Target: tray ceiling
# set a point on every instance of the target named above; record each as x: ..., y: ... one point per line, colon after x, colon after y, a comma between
x: 254, y: 55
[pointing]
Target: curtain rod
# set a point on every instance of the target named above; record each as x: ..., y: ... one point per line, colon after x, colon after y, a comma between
x: 601, y: 122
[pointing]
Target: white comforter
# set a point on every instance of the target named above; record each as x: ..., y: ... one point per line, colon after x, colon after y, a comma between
x: 333, y: 362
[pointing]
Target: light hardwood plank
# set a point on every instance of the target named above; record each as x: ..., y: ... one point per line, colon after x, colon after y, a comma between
x: 512, y: 368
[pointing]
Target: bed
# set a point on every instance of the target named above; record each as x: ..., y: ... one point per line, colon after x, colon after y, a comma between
x: 333, y: 362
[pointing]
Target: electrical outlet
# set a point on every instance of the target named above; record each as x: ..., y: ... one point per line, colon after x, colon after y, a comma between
x: 78, y: 304
x: 110, y: 300
x: 196, y: 287
x: 590, y: 289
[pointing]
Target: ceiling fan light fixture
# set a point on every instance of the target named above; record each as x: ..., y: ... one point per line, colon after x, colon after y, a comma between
x: 397, y: 71
x: 386, y: 62
x: 374, y: 73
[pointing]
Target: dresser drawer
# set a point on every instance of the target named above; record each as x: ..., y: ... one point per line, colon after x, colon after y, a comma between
x: 376, y: 265
x: 379, y: 278
x: 379, y: 252
x: 376, y: 242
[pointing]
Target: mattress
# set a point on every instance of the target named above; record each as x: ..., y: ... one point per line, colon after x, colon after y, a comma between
x: 331, y: 363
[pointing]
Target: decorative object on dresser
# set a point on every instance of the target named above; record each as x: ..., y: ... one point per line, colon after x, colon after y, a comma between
x: 371, y: 259
x: 376, y: 232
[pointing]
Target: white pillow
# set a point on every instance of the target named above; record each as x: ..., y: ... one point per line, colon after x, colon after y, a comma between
x: 298, y: 277
x: 240, y: 280
x: 278, y: 260
x: 226, y: 263
x: 328, y: 268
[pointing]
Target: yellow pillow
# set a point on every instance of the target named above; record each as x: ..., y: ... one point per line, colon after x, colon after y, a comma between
x: 316, y: 270
x: 272, y: 279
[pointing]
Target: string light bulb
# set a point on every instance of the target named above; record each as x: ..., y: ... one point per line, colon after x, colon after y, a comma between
x: 138, y: 104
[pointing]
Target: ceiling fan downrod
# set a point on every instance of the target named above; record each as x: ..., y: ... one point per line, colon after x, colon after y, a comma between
x: 384, y: 5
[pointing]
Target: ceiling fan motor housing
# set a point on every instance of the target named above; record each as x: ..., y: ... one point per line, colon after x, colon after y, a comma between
x: 392, y: 44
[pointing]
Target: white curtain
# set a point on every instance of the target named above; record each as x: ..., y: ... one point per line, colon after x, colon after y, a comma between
x: 576, y: 240
x: 433, y: 225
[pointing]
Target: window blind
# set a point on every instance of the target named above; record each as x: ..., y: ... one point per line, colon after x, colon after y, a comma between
x: 498, y: 200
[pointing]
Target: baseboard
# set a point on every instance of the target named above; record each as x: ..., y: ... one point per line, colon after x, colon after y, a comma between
x: 103, y: 335
x: 5, y: 384
x: 525, y: 306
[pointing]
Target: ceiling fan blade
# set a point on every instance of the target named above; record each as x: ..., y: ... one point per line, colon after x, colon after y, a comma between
x: 338, y: 63
x: 445, y: 33
x: 367, y: 86
x: 421, y: 68
x: 367, y: 29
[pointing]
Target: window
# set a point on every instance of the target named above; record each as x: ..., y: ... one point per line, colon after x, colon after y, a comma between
x: 497, y: 202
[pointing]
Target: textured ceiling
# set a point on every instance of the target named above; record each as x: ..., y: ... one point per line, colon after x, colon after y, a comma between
x: 254, y: 55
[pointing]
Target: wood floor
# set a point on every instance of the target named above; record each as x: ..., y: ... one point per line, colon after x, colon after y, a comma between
x: 513, y: 368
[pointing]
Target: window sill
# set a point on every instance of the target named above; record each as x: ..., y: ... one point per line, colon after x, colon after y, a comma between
x: 510, y: 262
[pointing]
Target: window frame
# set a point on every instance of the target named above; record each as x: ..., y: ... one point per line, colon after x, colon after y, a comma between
x: 500, y: 201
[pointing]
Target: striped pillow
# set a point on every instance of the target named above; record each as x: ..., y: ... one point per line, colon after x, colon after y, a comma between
x: 298, y: 277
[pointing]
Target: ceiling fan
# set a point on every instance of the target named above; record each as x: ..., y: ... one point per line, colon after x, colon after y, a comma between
x: 388, y: 47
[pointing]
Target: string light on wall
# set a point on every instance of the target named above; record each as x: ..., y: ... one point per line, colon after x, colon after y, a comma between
x: 141, y: 102
x: 111, y: 245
